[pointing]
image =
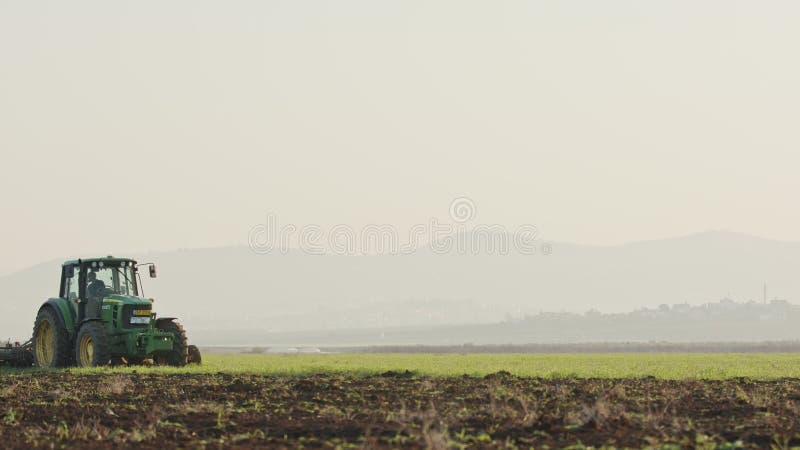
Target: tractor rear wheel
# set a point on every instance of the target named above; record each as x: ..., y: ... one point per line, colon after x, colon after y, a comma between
x: 179, y: 355
x: 92, y: 346
x: 50, y: 341
x: 194, y: 355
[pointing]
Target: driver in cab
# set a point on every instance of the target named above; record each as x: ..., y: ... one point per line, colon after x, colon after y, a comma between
x: 95, y: 289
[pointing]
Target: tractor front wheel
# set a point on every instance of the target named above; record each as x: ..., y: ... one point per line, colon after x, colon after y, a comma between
x: 92, y: 346
x: 50, y: 341
x: 179, y: 355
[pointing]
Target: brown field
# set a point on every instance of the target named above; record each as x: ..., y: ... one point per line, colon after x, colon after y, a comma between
x: 161, y: 411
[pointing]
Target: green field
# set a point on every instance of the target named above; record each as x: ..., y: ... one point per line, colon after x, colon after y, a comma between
x: 663, y: 366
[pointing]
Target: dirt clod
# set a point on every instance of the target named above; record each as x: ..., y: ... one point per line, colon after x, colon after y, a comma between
x: 398, y: 409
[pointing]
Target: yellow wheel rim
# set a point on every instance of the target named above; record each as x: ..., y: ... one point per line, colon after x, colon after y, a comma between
x: 45, y: 344
x: 86, y: 347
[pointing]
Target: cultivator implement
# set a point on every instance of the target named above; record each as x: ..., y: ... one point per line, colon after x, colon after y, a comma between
x: 16, y: 354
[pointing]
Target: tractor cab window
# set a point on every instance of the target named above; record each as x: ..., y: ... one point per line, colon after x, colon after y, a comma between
x: 110, y: 279
x: 71, y: 289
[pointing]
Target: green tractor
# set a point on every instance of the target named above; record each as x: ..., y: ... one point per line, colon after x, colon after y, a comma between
x: 100, y: 318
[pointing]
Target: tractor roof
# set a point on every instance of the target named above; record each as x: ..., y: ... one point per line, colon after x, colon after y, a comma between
x: 107, y: 259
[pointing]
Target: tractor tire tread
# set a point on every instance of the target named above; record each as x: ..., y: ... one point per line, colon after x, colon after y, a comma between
x: 101, y: 343
x: 62, y: 353
x: 179, y: 355
x: 194, y: 355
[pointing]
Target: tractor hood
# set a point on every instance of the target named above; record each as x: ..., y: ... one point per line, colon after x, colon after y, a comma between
x: 127, y: 312
x: 127, y: 300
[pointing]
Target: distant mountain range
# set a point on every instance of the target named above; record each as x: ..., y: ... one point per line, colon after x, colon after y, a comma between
x: 218, y: 290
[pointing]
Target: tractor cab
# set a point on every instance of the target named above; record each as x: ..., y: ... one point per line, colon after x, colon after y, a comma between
x: 86, y: 284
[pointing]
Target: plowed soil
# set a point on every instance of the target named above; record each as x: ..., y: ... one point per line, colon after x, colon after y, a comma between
x: 158, y: 411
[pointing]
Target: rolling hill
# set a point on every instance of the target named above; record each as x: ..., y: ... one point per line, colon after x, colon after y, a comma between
x: 220, y: 289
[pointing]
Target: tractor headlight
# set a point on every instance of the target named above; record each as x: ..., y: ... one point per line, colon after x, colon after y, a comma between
x: 140, y: 320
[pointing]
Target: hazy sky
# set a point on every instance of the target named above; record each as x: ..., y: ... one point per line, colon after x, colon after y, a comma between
x: 132, y: 126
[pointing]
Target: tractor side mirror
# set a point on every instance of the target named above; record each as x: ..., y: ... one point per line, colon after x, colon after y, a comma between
x: 153, y: 273
x: 69, y: 271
